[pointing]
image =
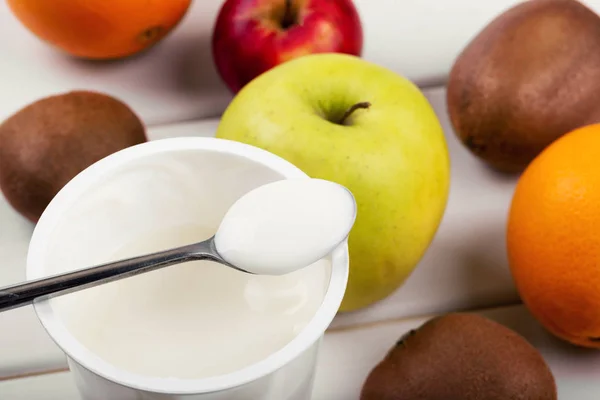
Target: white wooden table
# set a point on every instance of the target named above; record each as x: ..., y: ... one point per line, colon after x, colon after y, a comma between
x: 464, y: 269
x: 176, y: 81
x: 348, y: 355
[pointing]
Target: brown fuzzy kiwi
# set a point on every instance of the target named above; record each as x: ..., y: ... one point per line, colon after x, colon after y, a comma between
x: 530, y: 76
x: 45, y: 144
x: 461, y: 357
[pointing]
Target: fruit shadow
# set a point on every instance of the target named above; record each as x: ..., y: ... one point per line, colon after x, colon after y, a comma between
x: 470, y: 254
x: 196, y: 71
x: 565, y: 358
x: 496, y: 175
x: 183, y: 69
x: 193, y: 68
x: 99, y: 64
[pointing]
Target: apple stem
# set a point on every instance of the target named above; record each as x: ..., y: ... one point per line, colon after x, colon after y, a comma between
x: 362, y: 105
x: 288, y: 16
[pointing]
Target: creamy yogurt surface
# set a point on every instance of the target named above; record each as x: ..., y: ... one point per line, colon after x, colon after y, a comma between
x: 193, y: 320
x: 189, y: 321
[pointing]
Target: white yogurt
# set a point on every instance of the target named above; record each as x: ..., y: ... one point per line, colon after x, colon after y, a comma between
x: 280, y: 227
x: 193, y: 320
x: 188, y: 321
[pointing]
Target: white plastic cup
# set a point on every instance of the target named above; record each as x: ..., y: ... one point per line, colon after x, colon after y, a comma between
x: 231, y: 169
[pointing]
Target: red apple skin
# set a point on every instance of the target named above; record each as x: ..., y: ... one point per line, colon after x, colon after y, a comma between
x: 248, y: 38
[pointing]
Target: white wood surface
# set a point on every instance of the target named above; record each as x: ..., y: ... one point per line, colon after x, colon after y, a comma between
x: 464, y: 268
x: 176, y: 81
x: 347, y: 356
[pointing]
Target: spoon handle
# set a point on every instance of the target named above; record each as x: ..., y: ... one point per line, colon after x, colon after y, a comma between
x: 25, y: 293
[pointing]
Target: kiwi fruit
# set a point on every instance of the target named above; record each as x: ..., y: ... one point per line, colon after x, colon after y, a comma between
x: 45, y: 144
x: 530, y: 76
x: 461, y: 357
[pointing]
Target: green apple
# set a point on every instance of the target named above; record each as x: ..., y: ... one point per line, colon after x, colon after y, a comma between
x: 347, y: 120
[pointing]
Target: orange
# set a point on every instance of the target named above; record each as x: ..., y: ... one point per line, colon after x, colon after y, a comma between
x: 553, y: 237
x: 100, y: 29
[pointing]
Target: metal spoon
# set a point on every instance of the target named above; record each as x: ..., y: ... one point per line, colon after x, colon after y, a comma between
x: 57, y: 285
x: 25, y: 293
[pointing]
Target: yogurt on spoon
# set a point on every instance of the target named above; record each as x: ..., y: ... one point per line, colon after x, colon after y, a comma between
x: 286, y: 225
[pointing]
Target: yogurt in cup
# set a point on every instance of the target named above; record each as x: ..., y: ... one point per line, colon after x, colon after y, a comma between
x: 157, y: 195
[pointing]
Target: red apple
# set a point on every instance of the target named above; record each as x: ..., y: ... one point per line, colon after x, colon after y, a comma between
x: 253, y: 36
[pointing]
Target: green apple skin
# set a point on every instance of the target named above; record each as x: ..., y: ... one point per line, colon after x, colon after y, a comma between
x: 392, y: 156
